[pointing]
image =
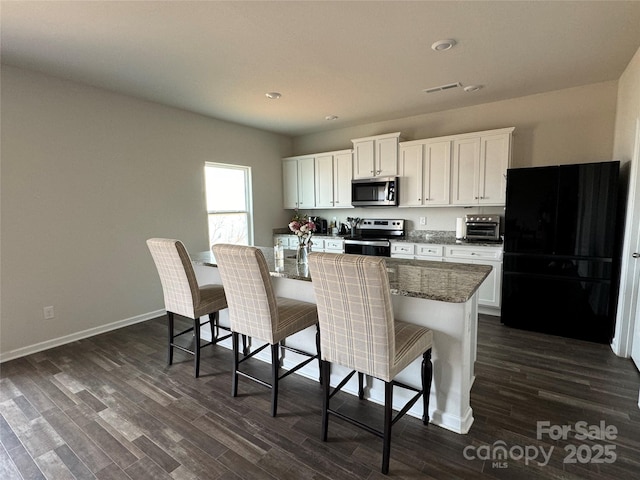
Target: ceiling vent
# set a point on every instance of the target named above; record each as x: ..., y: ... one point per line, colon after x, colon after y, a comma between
x: 442, y: 88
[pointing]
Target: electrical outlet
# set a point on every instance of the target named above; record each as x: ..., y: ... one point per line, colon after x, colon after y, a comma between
x: 48, y: 313
x: 423, y: 220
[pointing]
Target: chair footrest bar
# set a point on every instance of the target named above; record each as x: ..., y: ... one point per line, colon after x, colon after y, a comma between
x: 342, y: 384
x: 406, y: 408
x: 255, y: 379
x: 355, y: 422
x: 258, y: 350
x: 297, y: 367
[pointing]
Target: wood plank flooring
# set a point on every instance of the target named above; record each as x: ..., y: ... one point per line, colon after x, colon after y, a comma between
x: 108, y: 407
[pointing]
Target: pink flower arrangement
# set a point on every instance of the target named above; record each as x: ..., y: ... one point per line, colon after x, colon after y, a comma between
x: 303, y: 227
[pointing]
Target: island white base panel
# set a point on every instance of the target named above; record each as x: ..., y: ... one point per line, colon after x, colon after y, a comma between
x: 454, y: 327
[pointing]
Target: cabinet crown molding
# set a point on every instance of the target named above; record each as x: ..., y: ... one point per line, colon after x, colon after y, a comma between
x: 459, y: 136
x: 377, y: 137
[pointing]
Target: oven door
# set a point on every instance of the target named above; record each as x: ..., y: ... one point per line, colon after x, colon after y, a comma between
x: 378, y: 248
x: 479, y: 231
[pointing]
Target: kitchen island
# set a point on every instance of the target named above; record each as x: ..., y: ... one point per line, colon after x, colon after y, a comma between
x: 438, y: 295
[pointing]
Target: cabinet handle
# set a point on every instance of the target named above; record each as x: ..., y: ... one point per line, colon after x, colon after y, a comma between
x: 636, y: 255
x: 378, y: 172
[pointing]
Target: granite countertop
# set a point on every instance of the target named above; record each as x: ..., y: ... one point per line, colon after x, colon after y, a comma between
x: 432, y: 237
x: 442, y: 281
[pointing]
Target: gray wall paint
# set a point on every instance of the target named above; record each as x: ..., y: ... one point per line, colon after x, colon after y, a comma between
x: 87, y: 177
x: 565, y: 126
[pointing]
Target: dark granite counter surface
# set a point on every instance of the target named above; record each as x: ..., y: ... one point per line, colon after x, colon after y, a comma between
x: 442, y: 281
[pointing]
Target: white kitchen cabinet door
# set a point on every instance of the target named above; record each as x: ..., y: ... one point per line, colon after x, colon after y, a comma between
x: 324, y: 181
x: 306, y: 183
x: 387, y: 157
x: 342, y: 175
x: 411, y: 163
x: 333, y: 180
x: 364, y: 159
x: 290, y: 183
x: 490, y: 292
x: 298, y: 182
x: 465, y: 170
x: 403, y: 250
x: 494, y: 161
x: 436, y: 173
x: 376, y: 156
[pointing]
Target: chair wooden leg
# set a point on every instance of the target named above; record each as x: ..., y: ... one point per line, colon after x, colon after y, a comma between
x: 275, y: 371
x: 326, y: 377
x: 213, y: 323
x: 234, y: 377
x: 196, y: 346
x: 388, y: 417
x: 170, y: 340
x: 318, y: 351
x: 427, y: 377
x: 360, y: 385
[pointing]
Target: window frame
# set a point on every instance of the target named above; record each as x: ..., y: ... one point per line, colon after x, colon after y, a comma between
x: 248, y: 196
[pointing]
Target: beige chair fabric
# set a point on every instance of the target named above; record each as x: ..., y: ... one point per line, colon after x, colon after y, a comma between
x: 254, y: 309
x: 357, y: 326
x: 182, y: 294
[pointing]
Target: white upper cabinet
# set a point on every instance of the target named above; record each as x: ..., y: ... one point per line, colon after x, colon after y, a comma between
x: 425, y: 171
x: 376, y: 156
x: 298, y: 180
x: 333, y: 173
x: 495, y: 156
x: 479, y: 167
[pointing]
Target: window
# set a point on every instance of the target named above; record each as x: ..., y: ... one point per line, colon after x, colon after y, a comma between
x: 229, y: 203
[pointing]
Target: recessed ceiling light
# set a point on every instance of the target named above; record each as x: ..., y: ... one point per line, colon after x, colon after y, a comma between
x: 331, y: 117
x: 442, y: 45
x: 472, y: 88
x: 273, y: 95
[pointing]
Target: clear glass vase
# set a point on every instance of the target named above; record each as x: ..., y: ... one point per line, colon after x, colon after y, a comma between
x: 302, y: 254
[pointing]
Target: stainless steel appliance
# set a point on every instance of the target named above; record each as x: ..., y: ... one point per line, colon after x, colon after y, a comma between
x: 373, y: 237
x: 482, y: 228
x: 374, y: 192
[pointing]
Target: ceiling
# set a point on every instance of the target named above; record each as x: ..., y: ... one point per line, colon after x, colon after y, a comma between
x: 362, y: 61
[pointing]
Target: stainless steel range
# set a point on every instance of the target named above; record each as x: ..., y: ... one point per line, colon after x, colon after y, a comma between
x: 373, y: 236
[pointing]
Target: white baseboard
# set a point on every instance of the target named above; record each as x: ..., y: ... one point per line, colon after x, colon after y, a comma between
x: 56, y: 342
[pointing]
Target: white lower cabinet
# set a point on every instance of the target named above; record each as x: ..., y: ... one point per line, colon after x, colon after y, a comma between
x: 327, y: 245
x: 490, y: 292
x: 287, y: 241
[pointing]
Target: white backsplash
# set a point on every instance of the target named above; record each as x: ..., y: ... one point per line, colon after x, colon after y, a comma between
x: 440, y: 218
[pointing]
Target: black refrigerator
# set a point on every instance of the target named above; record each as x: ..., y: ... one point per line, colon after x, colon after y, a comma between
x: 561, y: 250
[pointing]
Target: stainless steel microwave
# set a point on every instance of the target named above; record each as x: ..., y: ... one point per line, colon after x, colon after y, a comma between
x: 373, y: 192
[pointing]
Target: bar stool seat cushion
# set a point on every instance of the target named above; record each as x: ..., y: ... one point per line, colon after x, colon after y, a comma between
x: 212, y: 299
x: 411, y: 341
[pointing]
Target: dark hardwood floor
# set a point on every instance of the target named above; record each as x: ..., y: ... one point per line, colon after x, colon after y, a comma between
x: 108, y: 407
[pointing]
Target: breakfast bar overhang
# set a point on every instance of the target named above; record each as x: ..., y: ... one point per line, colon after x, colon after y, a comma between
x: 438, y: 295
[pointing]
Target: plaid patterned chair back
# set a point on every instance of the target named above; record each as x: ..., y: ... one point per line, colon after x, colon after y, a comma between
x: 354, y: 311
x: 253, y: 309
x: 179, y: 284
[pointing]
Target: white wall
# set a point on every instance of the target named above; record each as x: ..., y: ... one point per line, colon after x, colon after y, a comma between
x: 627, y: 116
x: 574, y: 125
x: 565, y: 126
x: 87, y: 177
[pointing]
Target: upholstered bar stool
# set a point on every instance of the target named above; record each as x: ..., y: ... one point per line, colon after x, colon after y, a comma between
x: 183, y: 296
x: 255, y: 311
x: 358, y: 331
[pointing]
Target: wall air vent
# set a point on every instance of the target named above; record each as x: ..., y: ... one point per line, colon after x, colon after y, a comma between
x: 442, y: 88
